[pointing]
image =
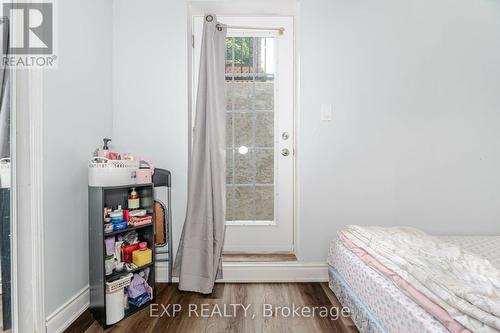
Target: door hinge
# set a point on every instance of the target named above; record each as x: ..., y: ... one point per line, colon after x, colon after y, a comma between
x: 192, y: 41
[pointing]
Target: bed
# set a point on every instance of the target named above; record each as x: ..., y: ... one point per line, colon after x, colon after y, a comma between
x: 378, y: 304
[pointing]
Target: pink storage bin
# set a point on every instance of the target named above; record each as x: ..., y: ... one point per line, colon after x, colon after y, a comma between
x: 145, y: 172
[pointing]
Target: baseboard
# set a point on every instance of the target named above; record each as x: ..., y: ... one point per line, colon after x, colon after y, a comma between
x: 60, y: 319
x: 275, y: 272
x: 241, y: 272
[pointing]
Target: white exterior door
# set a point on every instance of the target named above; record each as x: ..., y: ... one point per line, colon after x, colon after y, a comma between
x: 260, y: 132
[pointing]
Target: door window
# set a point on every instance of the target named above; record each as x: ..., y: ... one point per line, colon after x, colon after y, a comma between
x: 250, y: 91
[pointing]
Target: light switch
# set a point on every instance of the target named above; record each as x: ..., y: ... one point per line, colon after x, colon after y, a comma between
x: 326, y: 112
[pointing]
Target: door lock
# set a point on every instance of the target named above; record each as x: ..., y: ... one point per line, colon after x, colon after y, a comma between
x: 285, y: 152
x: 285, y: 135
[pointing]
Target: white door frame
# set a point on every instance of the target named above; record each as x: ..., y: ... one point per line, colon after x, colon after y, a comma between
x: 13, y: 203
x: 28, y: 268
x: 29, y: 274
x: 27, y: 258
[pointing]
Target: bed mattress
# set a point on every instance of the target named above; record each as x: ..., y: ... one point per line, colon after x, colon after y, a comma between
x: 395, y: 311
x: 485, y: 246
x: 385, y: 302
x: 360, y: 314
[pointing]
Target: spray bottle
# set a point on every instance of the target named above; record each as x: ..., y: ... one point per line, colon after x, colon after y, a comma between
x: 104, y: 152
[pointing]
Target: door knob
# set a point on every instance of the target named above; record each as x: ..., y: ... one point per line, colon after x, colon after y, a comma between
x: 285, y: 152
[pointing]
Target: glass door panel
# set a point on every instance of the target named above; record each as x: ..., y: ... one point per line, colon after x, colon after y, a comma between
x: 250, y: 103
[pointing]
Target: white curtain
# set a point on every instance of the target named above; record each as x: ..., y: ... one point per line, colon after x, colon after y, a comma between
x: 199, y: 260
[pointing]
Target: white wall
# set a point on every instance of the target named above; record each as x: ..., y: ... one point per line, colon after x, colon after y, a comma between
x: 150, y: 87
x: 77, y: 114
x: 415, y: 138
x: 150, y: 97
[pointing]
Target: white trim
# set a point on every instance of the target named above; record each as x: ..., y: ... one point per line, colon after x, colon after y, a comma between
x: 262, y: 272
x: 36, y: 196
x: 244, y: 8
x: 67, y: 313
x: 28, y: 276
x: 29, y: 279
x: 297, y: 132
x: 248, y: 223
x: 275, y: 272
x: 13, y: 196
x: 279, y: 234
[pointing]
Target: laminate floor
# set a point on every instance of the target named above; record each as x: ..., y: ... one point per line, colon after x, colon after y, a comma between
x: 262, y: 300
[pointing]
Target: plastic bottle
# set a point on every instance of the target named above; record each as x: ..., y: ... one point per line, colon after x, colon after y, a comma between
x: 133, y: 200
x: 143, y: 256
x: 104, y: 152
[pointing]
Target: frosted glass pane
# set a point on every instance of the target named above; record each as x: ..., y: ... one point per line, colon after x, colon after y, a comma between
x: 250, y: 67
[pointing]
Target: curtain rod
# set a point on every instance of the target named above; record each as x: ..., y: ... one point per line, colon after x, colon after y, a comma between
x: 280, y: 30
x: 219, y: 26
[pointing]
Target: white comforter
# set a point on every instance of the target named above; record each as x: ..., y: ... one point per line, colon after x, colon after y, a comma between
x: 464, y: 284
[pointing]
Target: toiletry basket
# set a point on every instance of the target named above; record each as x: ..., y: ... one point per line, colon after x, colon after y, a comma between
x: 105, y: 172
x: 120, y: 283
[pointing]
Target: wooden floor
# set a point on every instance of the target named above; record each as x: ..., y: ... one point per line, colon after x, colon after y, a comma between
x: 253, y: 294
x: 258, y: 257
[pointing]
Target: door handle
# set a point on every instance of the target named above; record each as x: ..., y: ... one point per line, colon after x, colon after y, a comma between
x: 285, y: 152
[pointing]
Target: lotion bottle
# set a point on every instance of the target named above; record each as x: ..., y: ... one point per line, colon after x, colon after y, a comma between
x: 133, y: 200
